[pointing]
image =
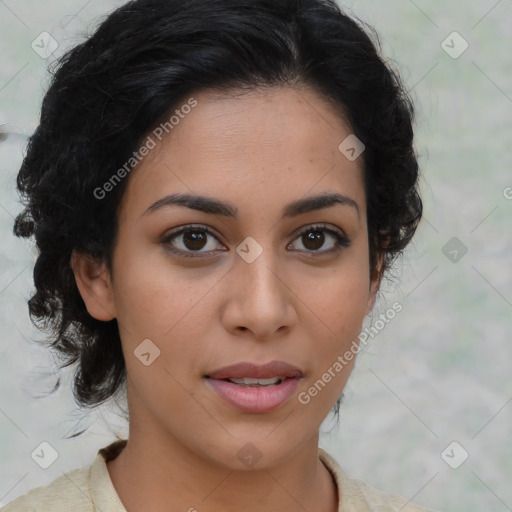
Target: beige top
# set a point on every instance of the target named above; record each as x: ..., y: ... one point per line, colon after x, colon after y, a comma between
x: 90, y: 489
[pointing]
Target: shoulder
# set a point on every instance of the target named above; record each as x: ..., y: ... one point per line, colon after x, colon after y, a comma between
x: 358, y: 496
x: 81, y: 490
x: 70, y: 492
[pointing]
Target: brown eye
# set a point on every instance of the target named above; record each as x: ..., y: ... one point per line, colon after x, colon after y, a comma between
x: 191, y: 240
x: 315, y: 237
x: 194, y: 240
x: 313, y: 240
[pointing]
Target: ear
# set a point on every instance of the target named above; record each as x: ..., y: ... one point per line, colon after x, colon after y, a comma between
x: 94, y: 284
x: 375, y: 285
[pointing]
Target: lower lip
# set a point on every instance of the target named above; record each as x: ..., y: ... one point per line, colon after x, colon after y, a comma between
x: 254, y: 399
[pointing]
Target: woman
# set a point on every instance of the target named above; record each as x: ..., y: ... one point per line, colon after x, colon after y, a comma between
x: 216, y: 189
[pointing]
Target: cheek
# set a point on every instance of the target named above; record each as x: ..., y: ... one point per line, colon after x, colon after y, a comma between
x: 339, y: 298
x: 168, y: 317
x: 151, y: 294
x: 346, y: 309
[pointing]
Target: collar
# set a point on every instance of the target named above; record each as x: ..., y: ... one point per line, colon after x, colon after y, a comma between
x: 105, y: 497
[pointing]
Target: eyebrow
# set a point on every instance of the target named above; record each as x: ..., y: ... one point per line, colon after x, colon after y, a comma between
x: 216, y: 207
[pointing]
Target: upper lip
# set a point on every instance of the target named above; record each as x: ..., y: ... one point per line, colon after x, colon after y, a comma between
x: 254, y: 371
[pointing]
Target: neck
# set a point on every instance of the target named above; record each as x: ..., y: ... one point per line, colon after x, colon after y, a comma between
x: 154, y: 471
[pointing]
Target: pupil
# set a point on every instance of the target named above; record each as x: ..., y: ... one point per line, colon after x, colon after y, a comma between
x: 194, y: 240
x: 317, y: 239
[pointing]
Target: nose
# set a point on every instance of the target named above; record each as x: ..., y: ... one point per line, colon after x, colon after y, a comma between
x: 258, y: 299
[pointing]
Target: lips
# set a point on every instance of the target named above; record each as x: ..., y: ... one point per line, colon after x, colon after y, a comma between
x: 253, y: 371
x: 254, y: 399
x: 250, y: 397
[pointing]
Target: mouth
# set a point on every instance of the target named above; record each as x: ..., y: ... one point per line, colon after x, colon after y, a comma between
x: 255, y: 389
x: 256, y: 383
x: 251, y: 373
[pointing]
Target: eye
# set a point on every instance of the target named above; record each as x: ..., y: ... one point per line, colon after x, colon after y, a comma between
x: 314, y: 237
x: 190, y: 239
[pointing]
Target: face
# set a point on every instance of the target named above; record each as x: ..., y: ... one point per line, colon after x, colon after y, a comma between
x: 266, y: 276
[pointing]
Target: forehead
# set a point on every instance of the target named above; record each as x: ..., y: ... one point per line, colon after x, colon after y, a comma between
x: 265, y: 121
x: 247, y: 146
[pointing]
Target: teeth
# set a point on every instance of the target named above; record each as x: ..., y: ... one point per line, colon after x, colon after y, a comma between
x: 262, y: 382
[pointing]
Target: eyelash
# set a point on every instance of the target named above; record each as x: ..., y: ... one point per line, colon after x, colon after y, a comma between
x: 342, y: 241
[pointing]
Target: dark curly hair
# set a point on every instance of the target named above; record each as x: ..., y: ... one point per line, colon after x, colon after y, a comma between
x: 109, y: 92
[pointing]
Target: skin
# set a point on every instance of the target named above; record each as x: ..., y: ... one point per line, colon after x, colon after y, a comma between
x: 259, y: 152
